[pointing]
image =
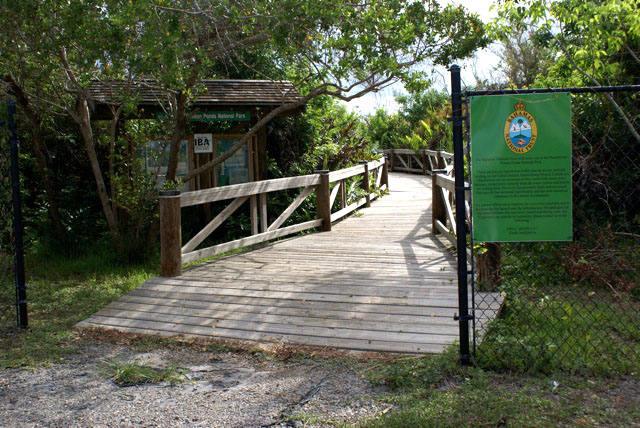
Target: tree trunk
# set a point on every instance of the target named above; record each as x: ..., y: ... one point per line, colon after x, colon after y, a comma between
x: 84, y: 120
x: 176, y: 138
x: 489, y: 267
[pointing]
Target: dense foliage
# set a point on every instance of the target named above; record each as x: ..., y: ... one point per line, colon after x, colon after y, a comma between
x: 52, y: 50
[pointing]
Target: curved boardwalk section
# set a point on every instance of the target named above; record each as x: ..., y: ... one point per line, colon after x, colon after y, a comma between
x: 379, y: 281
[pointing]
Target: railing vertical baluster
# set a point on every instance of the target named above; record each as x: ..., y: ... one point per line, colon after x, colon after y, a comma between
x: 170, y: 234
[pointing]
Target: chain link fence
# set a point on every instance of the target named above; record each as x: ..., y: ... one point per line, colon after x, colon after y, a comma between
x: 572, y: 306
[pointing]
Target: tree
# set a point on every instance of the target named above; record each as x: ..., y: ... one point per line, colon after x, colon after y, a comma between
x: 329, y: 47
x: 597, y: 43
x: 55, y: 49
x: 522, y: 59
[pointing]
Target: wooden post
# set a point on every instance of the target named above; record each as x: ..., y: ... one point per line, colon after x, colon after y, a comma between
x: 323, y: 200
x: 343, y: 193
x: 170, y: 234
x: 424, y: 163
x: 264, y: 221
x: 438, y: 209
x: 365, y: 182
x: 441, y: 163
x: 393, y: 160
x: 385, y: 174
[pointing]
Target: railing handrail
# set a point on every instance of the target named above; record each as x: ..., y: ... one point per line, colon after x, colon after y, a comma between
x: 173, y: 253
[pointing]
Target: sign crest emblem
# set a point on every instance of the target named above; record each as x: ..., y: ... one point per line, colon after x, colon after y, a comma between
x: 520, y: 130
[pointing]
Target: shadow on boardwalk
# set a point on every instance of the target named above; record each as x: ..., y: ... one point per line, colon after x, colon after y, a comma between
x: 379, y: 281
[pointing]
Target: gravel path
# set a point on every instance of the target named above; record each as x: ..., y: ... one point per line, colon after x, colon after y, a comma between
x: 221, y: 390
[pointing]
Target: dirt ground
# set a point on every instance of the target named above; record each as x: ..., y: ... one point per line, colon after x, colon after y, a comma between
x: 220, y: 389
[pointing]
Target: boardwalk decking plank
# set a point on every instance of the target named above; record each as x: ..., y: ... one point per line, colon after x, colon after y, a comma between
x: 377, y: 282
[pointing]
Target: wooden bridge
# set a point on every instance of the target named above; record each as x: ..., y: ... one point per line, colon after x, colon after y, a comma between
x: 379, y: 280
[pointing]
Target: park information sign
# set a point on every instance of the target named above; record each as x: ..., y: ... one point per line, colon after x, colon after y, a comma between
x: 521, y: 167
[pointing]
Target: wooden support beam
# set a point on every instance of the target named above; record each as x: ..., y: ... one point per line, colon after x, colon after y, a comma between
x: 290, y: 209
x: 365, y: 182
x: 438, y: 213
x: 170, y: 234
x: 213, y: 225
x: 254, y: 214
x: 334, y: 194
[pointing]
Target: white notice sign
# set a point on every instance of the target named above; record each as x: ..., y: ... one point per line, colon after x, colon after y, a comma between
x: 202, y: 143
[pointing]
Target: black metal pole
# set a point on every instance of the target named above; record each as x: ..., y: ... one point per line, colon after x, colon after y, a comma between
x: 21, y: 289
x: 461, y: 226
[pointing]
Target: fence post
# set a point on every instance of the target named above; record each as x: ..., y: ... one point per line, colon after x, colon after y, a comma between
x: 323, y: 200
x: 461, y: 225
x: 393, y: 160
x: 18, y: 230
x: 365, y: 182
x: 170, y: 234
x: 385, y: 174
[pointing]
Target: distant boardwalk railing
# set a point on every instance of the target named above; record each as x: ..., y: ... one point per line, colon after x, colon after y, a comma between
x: 174, y: 253
x: 422, y: 161
x: 438, y: 164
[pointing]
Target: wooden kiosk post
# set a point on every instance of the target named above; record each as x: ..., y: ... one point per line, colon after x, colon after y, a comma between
x: 170, y: 234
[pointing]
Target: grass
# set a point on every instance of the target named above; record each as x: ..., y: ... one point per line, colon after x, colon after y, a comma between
x: 133, y: 373
x: 573, y: 331
x: 436, y: 392
x: 61, y: 292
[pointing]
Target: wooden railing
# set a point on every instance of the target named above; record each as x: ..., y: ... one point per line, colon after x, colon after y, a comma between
x: 423, y: 161
x: 174, y: 253
x: 443, y: 191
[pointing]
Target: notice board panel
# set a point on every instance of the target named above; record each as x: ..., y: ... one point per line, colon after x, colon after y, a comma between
x: 521, y: 167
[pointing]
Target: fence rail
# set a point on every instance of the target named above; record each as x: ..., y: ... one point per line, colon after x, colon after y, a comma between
x: 174, y: 253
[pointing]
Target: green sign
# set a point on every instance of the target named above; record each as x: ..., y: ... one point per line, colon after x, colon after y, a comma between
x: 521, y: 167
x: 221, y: 116
x: 215, y: 116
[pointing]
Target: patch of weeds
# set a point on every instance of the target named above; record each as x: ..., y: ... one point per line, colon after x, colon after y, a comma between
x: 416, y: 373
x: 132, y: 373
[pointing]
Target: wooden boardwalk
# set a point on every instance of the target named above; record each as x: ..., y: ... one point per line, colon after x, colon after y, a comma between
x: 379, y: 281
